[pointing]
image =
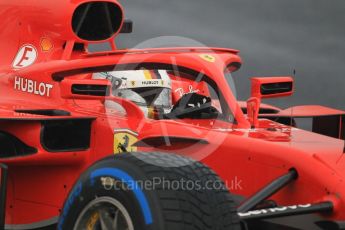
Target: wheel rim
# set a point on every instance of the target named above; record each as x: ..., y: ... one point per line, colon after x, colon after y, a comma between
x: 104, y: 213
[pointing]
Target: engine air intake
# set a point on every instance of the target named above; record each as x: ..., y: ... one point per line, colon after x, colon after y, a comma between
x: 97, y: 21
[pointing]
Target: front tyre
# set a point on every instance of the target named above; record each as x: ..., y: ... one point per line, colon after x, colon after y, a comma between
x: 149, y: 191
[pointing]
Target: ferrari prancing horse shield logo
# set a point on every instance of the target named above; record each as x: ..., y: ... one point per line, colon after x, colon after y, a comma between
x: 124, y: 140
x: 208, y: 57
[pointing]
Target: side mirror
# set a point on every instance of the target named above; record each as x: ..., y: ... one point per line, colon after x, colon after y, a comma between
x: 272, y: 87
x: 268, y: 87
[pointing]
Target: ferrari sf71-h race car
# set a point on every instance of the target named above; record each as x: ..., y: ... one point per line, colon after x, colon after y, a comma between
x: 151, y: 139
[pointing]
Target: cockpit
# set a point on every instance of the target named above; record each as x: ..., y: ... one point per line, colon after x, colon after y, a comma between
x: 167, y: 94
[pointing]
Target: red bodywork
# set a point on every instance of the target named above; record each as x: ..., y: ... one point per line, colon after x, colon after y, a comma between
x: 39, y: 183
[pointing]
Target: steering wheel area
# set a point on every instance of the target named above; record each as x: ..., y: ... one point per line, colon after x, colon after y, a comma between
x: 193, y: 106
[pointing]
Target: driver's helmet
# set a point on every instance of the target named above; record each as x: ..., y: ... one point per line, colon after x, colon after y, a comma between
x: 149, y: 89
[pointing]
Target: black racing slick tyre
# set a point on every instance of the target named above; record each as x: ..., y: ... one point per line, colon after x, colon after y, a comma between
x: 149, y: 191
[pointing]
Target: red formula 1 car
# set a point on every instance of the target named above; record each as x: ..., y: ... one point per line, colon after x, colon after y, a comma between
x: 151, y: 139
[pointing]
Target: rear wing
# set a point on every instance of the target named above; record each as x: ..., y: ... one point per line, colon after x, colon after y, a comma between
x: 326, y: 121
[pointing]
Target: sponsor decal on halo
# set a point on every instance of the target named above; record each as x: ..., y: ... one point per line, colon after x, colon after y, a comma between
x: 33, y: 87
x: 26, y: 56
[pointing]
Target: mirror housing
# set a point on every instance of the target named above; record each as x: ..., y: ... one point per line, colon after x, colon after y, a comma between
x: 266, y: 87
x: 272, y: 87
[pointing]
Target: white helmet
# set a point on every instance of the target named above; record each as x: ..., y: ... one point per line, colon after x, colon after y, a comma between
x: 149, y: 89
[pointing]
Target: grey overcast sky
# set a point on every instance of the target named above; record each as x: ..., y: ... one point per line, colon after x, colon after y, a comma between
x: 274, y: 37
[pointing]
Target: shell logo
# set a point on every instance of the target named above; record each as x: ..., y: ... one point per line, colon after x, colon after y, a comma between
x: 46, y: 44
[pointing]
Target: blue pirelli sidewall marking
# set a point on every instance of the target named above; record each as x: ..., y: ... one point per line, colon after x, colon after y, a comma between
x: 71, y: 198
x: 127, y: 179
